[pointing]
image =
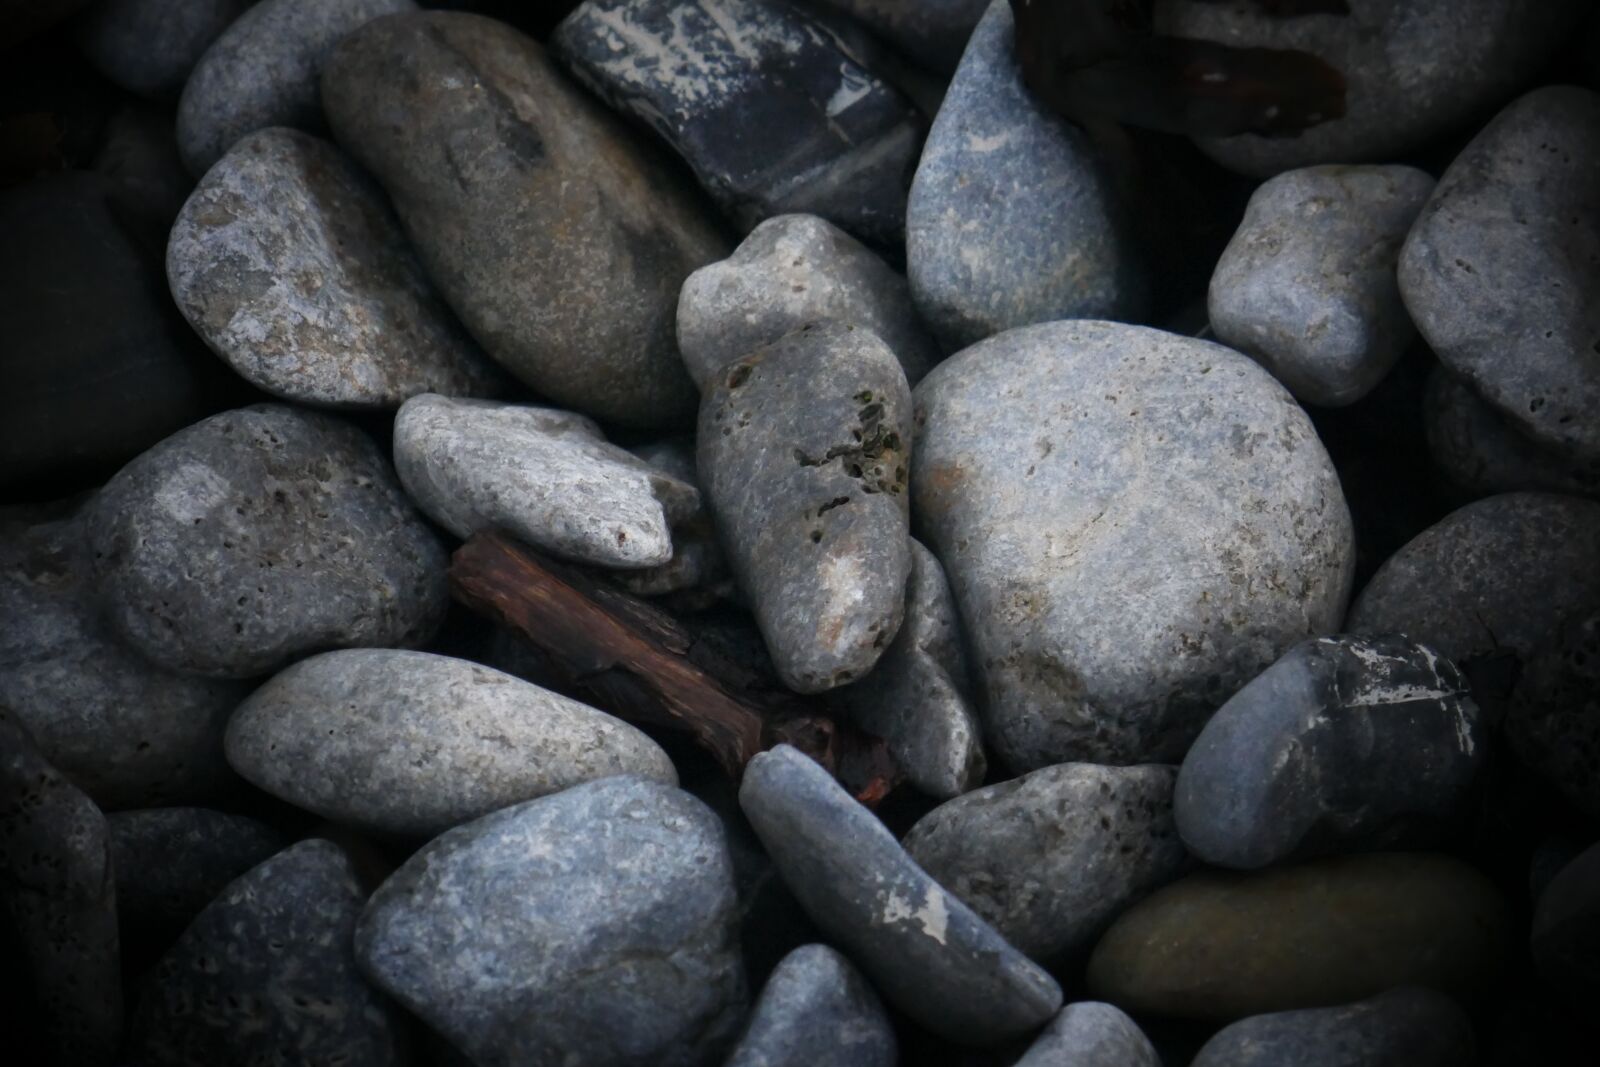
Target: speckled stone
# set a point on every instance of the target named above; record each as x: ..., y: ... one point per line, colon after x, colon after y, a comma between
x: 791, y: 271
x: 1483, y: 452
x: 1307, y: 285
x: 266, y: 974
x: 150, y: 46
x: 1406, y: 1027
x: 1325, y: 932
x: 1502, y: 270
x: 410, y: 743
x: 1134, y: 524
x: 925, y: 950
x: 932, y: 32
x: 262, y: 71
x: 1052, y: 857
x: 1091, y: 1034
x: 1012, y: 218
x: 1554, y: 717
x: 609, y: 906
x: 289, y: 263
x: 1566, y: 931
x: 816, y: 1009
x: 804, y: 448
x: 549, y: 229
x: 548, y: 476
x: 258, y: 535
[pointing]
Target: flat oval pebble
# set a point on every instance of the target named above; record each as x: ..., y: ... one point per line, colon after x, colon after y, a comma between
x: 609, y: 905
x: 1091, y: 1034
x: 258, y: 535
x: 150, y: 46
x: 1553, y: 721
x: 291, y: 266
x: 1483, y: 451
x: 1134, y: 524
x: 816, y: 1010
x: 926, y: 951
x: 410, y: 743
x: 1406, y: 1027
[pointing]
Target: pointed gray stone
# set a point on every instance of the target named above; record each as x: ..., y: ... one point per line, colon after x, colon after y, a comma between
x: 816, y: 1010
x: 1091, y: 1034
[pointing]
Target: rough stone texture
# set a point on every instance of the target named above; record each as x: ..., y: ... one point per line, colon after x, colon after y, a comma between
x: 411, y: 744
x: 1307, y: 285
x: 266, y: 974
x: 1554, y: 717
x: 1091, y: 1034
x: 1134, y: 523
x: 932, y: 32
x: 1324, y: 932
x: 1483, y: 452
x: 804, y: 449
x: 150, y: 46
x: 289, y: 263
x: 917, y: 696
x: 1478, y: 53
x: 1566, y: 931
x: 773, y: 113
x: 262, y: 71
x: 791, y: 271
x: 1502, y: 270
x: 556, y: 238
x: 1408, y: 1027
x: 603, y: 931
x: 548, y: 476
x: 1012, y: 219
x: 258, y: 535
x: 1052, y: 857
x: 925, y: 950
x: 1346, y: 743
x: 816, y: 1010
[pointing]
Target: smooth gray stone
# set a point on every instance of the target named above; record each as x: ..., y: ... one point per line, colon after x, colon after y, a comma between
x: 548, y: 476
x: 791, y: 271
x: 1483, y: 452
x: 258, y: 535
x: 150, y: 46
x: 1134, y: 524
x: 1052, y: 857
x: 1012, y: 218
x: 1091, y: 1034
x: 547, y: 226
x: 925, y: 950
x: 1405, y: 1027
x: 1565, y: 941
x: 603, y: 931
x: 288, y: 262
x: 1307, y: 285
x: 1502, y: 270
x: 804, y: 449
x: 816, y: 1011
x: 262, y: 71
x: 1553, y: 721
x: 917, y: 696
x: 410, y: 743
x: 932, y: 32
x: 1478, y: 53
x: 1344, y: 744
x: 267, y: 974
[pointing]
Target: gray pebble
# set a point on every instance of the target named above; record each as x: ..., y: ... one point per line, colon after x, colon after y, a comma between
x: 1405, y: 1027
x: 1011, y: 219
x: 698, y: 568
x: 816, y: 1011
x: 1051, y: 858
x: 928, y: 953
x: 804, y: 450
x: 1091, y: 1034
x: 258, y: 535
x: 1307, y: 285
x: 1134, y: 523
x: 932, y: 32
x: 610, y: 906
x: 1483, y: 451
x: 150, y: 46
x: 1553, y: 721
x: 1565, y: 940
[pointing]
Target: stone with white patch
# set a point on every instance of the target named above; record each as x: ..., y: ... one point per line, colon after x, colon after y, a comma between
x: 816, y: 1009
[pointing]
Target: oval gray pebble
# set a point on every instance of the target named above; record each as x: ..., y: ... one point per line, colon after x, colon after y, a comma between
x: 816, y: 1010
x: 1404, y: 1027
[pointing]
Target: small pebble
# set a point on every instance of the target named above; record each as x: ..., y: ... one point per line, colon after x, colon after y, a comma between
x: 149, y: 47
x: 1091, y: 1034
x: 816, y: 1011
x: 1406, y: 1027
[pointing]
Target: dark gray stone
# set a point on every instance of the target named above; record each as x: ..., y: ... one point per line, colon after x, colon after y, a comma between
x: 804, y: 449
x: 1553, y: 720
x: 602, y: 932
x: 559, y: 241
x: 1566, y: 931
x: 150, y: 46
x: 928, y: 953
x: 1091, y: 1034
x: 138, y: 156
x: 1483, y: 452
x: 258, y: 535
x: 932, y: 32
x: 816, y: 1010
x: 698, y: 569
x: 1406, y: 1027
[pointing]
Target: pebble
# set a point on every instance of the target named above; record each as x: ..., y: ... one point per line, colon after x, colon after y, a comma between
x: 1566, y: 931
x: 1052, y: 857
x: 1091, y: 1034
x: 1324, y: 932
x: 698, y: 568
x: 1406, y: 1027
x: 609, y: 905
x: 1134, y: 524
x: 1553, y: 721
x: 815, y: 1010
x: 1307, y: 285
x: 1502, y: 270
x: 1012, y: 219
x: 791, y: 271
x: 262, y: 71
x: 772, y: 113
x: 1483, y: 452
x: 550, y: 477
x: 932, y: 32
x: 266, y: 974
x: 926, y: 951
x: 149, y: 47
x: 148, y: 183
x: 1346, y: 743
x: 258, y: 535
x: 555, y: 236
x: 409, y: 744
x: 289, y: 263
x: 804, y: 448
